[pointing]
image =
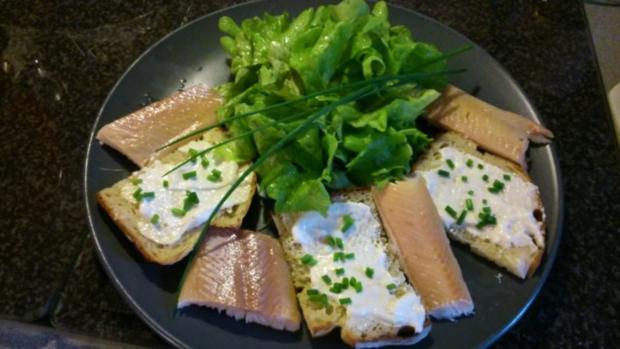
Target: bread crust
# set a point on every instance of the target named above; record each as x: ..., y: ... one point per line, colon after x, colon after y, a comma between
x: 520, y: 262
x: 126, y: 216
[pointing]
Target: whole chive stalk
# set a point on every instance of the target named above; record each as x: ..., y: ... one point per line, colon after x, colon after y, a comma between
x: 237, y: 137
x: 363, y: 83
x: 404, y: 78
x: 309, y: 122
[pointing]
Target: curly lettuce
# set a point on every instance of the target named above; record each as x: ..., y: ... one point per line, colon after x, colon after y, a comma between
x: 372, y: 140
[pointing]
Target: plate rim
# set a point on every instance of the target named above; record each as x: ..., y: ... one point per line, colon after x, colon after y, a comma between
x: 550, y: 253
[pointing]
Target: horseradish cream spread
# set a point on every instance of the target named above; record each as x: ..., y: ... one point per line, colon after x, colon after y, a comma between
x: 485, y: 200
x: 346, y: 244
x: 184, y: 199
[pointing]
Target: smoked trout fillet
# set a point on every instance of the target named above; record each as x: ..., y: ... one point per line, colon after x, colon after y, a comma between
x: 414, y: 227
x: 138, y: 135
x: 498, y: 131
x: 244, y: 274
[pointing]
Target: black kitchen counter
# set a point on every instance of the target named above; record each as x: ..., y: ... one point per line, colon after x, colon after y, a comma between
x: 58, y: 60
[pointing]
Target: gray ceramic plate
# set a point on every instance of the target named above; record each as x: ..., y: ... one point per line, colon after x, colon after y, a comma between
x: 192, y: 54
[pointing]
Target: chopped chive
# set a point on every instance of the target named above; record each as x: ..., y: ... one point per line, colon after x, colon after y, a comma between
x: 178, y: 212
x: 347, y: 222
x: 480, y: 166
x: 339, y: 256
x: 136, y: 181
x: 461, y: 218
x: 391, y: 287
x: 443, y: 173
x: 204, y: 163
x: 344, y: 284
x: 138, y: 194
x: 308, y: 260
x: 451, y: 212
x: 165, y: 183
x: 339, y: 271
x: 349, y: 255
x: 326, y: 279
x: 339, y: 243
x: 148, y: 195
x: 484, y: 201
x: 336, y: 288
x: 464, y: 179
x: 345, y: 301
x: 507, y: 177
x: 155, y: 219
x: 358, y: 287
x: 312, y: 292
x: 369, y: 272
x: 469, y: 163
x: 486, y: 218
x: 471, y: 193
x: 497, y: 187
x: 318, y: 298
x: 188, y: 175
x: 485, y: 178
x: 469, y: 204
x: 215, y: 176
x: 330, y: 241
x: 450, y: 164
x: 191, y: 199
x: 193, y: 153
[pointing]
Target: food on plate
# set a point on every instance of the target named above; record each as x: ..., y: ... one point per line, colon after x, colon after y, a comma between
x: 485, y: 202
x: 498, y: 131
x: 244, y: 274
x: 417, y: 236
x: 347, y: 276
x: 344, y: 82
x: 319, y: 106
x: 139, y: 134
x: 163, y: 214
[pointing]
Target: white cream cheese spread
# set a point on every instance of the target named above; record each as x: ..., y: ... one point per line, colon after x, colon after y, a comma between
x: 364, y: 259
x: 485, y: 200
x: 162, y: 199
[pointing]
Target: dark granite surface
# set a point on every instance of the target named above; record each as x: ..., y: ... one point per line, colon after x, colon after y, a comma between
x: 59, y: 59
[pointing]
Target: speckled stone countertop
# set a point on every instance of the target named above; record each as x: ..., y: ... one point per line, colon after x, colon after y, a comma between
x: 58, y: 60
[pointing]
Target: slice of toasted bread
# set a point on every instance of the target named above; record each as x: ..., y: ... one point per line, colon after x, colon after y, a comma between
x: 319, y: 321
x: 127, y: 217
x: 519, y: 260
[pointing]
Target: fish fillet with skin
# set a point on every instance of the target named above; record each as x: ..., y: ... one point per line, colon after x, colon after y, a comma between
x: 498, y: 131
x: 138, y: 135
x: 414, y: 226
x: 243, y: 273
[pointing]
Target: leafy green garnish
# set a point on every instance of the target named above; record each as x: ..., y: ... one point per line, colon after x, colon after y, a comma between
x: 310, y: 61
